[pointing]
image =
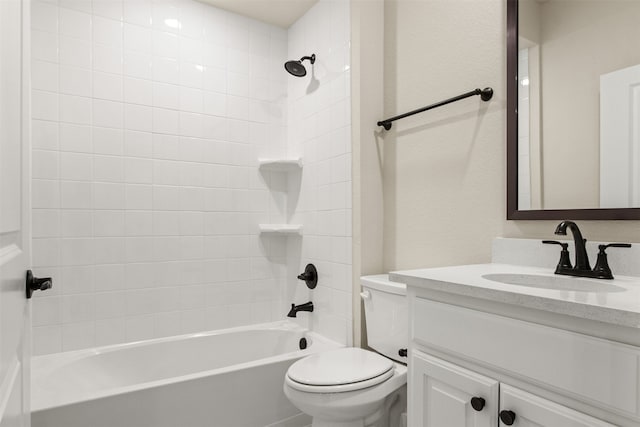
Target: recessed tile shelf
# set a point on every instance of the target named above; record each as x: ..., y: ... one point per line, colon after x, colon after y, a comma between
x: 280, y: 165
x: 281, y: 228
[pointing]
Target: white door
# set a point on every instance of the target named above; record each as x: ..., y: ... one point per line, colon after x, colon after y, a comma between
x: 445, y: 395
x: 15, y: 230
x: 620, y: 138
x: 527, y: 410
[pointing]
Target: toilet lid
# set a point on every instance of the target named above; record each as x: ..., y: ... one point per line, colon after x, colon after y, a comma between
x: 340, y: 367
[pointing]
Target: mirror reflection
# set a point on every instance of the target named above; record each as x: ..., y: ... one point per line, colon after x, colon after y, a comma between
x: 578, y: 104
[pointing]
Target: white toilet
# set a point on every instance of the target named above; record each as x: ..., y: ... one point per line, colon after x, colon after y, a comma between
x: 352, y: 387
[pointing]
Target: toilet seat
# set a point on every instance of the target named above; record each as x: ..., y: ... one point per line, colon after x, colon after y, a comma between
x: 342, y: 370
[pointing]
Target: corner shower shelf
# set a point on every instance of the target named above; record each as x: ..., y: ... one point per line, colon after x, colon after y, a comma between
x: 280, y: 165
x: 281, y: 228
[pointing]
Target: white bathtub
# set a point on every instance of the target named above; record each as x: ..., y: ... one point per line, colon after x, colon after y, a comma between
x: 225, y: 378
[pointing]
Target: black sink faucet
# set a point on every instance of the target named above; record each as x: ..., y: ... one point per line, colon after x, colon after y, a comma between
x: 582, y: 259
x: 582, y: 267
x: 308, y: 306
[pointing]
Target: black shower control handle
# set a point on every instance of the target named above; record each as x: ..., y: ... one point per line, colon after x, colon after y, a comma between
x: 309, y: 276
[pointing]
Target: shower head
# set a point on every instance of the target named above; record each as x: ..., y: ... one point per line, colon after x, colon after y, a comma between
x: 295, y: 68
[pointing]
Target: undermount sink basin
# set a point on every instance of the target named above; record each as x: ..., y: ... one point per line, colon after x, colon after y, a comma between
x: 559, y: 283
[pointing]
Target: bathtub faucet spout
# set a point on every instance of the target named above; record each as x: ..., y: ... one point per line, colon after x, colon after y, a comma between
x: 308, y: 306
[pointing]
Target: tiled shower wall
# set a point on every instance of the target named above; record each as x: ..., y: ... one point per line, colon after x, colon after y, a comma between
x: 320, y: 132
x: 148, y: 119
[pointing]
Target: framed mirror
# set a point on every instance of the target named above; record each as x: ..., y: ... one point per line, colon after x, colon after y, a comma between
x: 573, y: 109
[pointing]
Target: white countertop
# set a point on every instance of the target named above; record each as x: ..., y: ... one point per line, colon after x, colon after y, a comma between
x: 619, y: 307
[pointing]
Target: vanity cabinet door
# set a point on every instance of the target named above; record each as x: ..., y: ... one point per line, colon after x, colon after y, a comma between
x: 528, y: 410
x: 445, y: 395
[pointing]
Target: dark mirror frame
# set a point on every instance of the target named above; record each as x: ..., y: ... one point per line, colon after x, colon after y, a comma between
x: 512, y: 146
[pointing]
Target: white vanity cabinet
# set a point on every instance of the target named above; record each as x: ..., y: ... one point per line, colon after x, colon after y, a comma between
x: 545, y: 376
x: 443, y: 395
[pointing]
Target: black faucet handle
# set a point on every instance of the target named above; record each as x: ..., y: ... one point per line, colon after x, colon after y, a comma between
x: 614, y: 245
x: 564, y: 263
x: 555, y: 242
x: 602, y: 269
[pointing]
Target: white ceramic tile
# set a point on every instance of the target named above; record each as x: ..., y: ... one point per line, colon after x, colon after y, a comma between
x: 78, y: 5
x: 76, y: 167
x: 75, y: 109
x: 166, y: 95
x: 75, y: 24
x: 138, y: 117
x: 44, y: 105
x: 75, y: 52
x: 45, y: 193
x: 45, y: 135
x: 137, y: 64
x: 108, y: 196
x: 178, y: 110
x: 138, y: 12
x: 44, y: 46
x: 77, y: 335
x: 76, y: 195
x: 76, y: 251
x: 107, y: 86
x: 108, y: 168
x: 166, y: 70
x: 190, y: 50
x: 191, y: 99
x: 138, y: 144
x: 165, y: 45
x: 138, y: 171
x: 107, y: 141
x: 166, y: 17
x: 107, y: 114
x: 165, y: 121
x: 109, y: 250
x: 138, y: 196
x: 107, y: 32
x: 191, y: 75
x: 108, y: 59
x: 138, y: 91
x: 112, y: 9
x: 45, y: 164
x: 138, y: 223
x: 44, y: 76
x: 46, y: 252
x: 45, y: 223
x: 215, y: 103
x: 44, y: 16
x: 108, y: 223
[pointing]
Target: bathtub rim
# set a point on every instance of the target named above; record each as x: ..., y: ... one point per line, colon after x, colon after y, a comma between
x: 56, y: 361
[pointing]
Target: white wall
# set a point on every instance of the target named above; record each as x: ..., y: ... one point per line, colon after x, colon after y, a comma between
x: 319, y: 114
x: 146, y: 193
x: 445, y: 170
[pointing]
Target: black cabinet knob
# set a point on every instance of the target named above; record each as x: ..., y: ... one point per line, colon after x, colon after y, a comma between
x: 37, y: 284
x: 477, y: 403
x: 402, y: 352
x: 508, y: 417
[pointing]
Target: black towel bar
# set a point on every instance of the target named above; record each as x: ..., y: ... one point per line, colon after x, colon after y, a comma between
x: 485, y: 94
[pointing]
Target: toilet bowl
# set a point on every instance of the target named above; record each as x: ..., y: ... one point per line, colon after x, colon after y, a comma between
x: 353, y: 387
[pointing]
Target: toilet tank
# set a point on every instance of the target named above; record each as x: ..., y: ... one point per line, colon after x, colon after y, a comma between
x: 386, y: 315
